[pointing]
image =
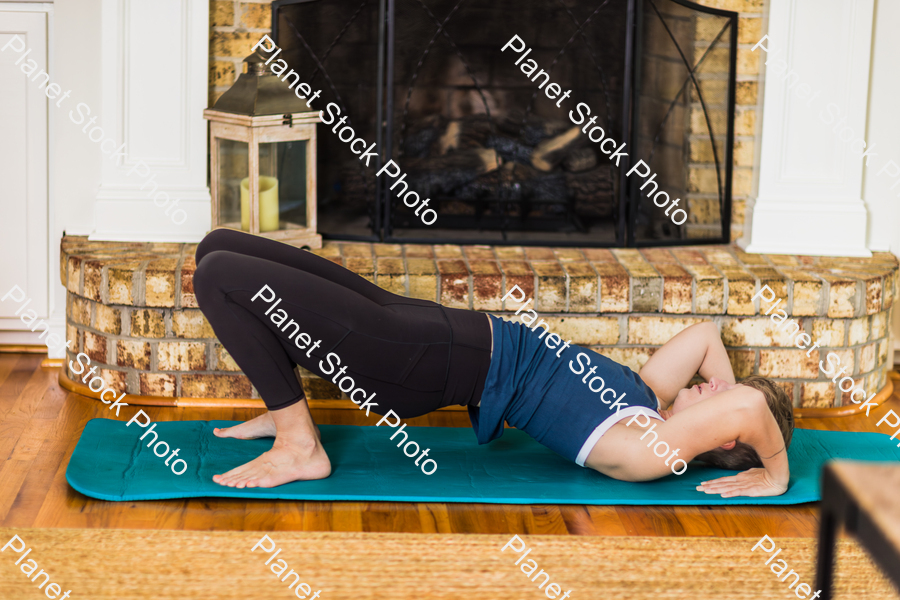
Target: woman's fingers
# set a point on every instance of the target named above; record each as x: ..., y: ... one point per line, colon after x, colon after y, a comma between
x: 741, y: 489
x: 729, y: 492
x: 719, y: 489
x: 748, y: 483
x: 721, y: 479
x: 725, y: 485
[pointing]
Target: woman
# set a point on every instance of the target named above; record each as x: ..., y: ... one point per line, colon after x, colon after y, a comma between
x: 274, y: 306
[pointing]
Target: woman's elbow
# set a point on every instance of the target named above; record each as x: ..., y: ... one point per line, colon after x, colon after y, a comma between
x: 708, y: 329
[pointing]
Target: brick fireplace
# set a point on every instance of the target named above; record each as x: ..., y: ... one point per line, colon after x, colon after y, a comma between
x: 131, y: 309
x: 130, y: 305
x: 473, y: 130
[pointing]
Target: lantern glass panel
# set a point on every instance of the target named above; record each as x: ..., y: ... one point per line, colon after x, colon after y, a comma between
x: 293, y: 181
x: 284, y: 165
x: 233, y: 167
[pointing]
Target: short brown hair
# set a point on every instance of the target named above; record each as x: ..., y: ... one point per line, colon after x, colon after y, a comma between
x: 743, y: 456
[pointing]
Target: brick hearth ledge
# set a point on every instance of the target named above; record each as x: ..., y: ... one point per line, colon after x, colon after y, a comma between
x: 131, y: 308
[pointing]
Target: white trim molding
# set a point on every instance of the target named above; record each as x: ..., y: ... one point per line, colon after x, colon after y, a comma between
x: 154, y: 89
x: 809, y: 197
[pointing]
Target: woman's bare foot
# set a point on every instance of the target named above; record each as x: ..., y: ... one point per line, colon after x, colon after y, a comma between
x: 257, y: 427
x: 297, y: 453
x: 287, y: 461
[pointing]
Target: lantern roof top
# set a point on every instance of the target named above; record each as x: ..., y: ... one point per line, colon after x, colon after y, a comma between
x: 260, y: 92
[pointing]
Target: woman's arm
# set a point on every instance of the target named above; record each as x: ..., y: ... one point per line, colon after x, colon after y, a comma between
x: 772, y: 479
x: 696, y: 349
x: 738, y: 414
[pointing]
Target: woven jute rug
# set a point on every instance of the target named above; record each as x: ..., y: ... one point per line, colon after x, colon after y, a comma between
x: 125, y: 564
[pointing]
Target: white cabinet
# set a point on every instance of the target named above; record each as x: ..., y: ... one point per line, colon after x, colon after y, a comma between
x: 24, y: 214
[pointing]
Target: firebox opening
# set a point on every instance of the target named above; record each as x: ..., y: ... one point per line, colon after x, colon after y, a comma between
x: 498, y: 159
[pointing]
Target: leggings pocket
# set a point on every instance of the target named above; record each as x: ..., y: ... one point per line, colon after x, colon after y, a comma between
x: 429, y: 372
x: 417, y: 366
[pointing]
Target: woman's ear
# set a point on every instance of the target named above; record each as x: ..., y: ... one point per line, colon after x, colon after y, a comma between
x: 729, y: 445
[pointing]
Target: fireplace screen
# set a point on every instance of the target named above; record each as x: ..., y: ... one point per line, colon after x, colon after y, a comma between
x: 501, y: 162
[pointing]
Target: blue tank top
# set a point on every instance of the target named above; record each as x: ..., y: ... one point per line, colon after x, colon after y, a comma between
x: 565, y: 402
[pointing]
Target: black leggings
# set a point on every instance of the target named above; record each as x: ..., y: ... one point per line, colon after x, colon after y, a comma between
x: 416, y: 355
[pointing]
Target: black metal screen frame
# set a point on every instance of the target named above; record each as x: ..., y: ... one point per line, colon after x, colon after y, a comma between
x: 631, y: 189
x: 629, y: 195
x: 380, y: 210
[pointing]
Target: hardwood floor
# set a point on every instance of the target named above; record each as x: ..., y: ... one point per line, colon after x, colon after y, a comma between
x: 40, y: 423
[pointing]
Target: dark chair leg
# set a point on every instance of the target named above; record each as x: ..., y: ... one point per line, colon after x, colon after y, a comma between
x: 825, y: 560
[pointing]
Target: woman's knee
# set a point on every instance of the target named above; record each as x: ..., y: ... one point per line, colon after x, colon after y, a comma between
x: 217, y: 239
x: 212, y: 268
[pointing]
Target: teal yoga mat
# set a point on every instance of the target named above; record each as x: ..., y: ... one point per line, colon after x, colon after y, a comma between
x: 111, y: 463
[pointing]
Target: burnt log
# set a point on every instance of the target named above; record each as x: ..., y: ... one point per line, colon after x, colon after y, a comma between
x: 441, y: 175
x: 510, y: 150
x: 449, y: 140
x: 580, y: 160
x: 422, y: 136
x: 593, y: 191
x: 532, y: 131
x: 553, y: 151
x: 460, y: 134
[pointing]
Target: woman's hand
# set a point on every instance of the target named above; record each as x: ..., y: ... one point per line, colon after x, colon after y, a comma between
x: 755, y: 482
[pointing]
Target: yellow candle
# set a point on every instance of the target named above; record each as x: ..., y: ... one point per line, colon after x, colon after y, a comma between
x: 268, y: 203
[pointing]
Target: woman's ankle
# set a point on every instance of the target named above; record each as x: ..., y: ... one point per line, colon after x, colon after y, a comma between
x: 304, y: 442
x: 294, y: 422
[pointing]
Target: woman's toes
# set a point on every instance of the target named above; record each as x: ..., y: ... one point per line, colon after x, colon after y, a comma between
x: 223, y: 432
x: 230, y: 477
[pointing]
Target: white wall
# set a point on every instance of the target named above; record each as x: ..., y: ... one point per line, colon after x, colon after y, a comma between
x: 817, y: 54
x: 154, y: 82
x: 104, y: 53
x: 883, y: 129
x: 75, y: 159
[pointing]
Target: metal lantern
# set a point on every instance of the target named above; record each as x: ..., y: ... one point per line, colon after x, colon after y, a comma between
x: 263, y: 158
